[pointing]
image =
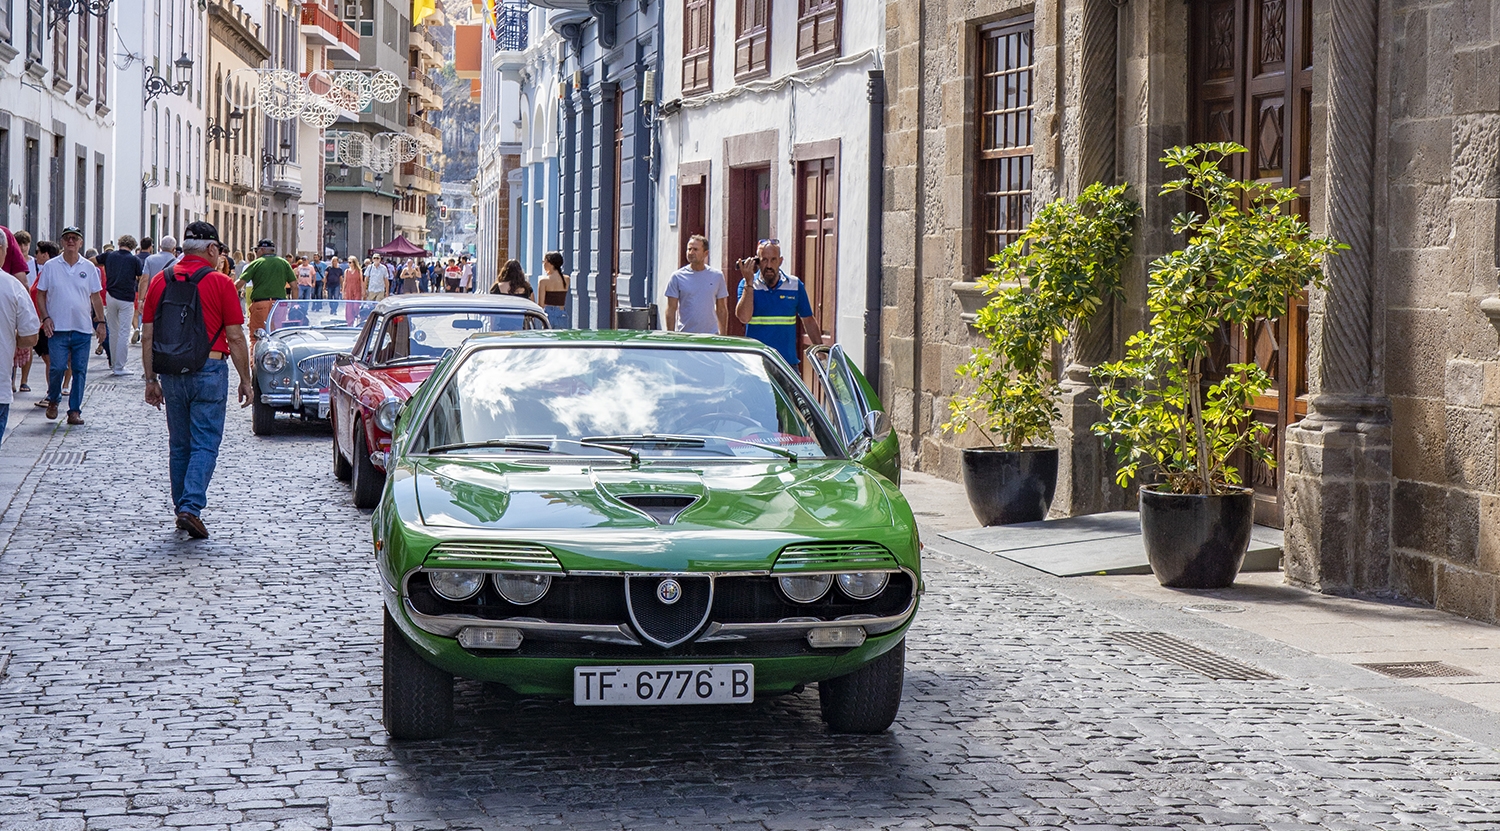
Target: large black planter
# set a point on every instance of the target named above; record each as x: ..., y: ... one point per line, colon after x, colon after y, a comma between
x: 1009, y: 486
x: 1193, y: 541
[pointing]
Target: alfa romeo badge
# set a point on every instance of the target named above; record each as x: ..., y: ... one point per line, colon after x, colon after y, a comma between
x: 668, y: 591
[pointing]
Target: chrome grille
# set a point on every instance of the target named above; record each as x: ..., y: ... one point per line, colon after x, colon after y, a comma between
x: 320, y: 364
x: 669, y: 624
x: 838, y: 556
x: 506, y: 556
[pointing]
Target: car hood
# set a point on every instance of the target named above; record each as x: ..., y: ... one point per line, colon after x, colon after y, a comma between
x: 317, y: 340
x: 404, y: 380
x: 583, y: 513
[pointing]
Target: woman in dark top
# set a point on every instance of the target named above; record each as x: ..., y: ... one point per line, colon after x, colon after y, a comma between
x: 554, y: 289
x: 512, y: 280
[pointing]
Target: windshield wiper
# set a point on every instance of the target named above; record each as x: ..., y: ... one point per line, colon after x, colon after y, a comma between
x: 693, y: 441
x: 504, y: 444
x: 606, y: 443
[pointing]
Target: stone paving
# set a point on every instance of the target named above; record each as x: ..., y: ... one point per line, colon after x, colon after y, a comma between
x: 235, y: 683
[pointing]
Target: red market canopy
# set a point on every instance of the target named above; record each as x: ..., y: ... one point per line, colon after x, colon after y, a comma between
x: 400, y: 247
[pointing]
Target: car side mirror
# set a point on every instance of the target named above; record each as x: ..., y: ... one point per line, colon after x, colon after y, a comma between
x: 261, y: 333
x: 877, y: 425
x: 343, y: 359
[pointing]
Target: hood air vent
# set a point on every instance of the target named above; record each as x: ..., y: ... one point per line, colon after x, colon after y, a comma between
x: 662, y: 507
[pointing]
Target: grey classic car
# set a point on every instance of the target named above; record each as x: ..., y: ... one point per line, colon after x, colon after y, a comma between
x: 294, y: 354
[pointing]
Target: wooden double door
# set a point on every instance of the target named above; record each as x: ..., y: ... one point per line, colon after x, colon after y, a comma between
x: 1251, y: 83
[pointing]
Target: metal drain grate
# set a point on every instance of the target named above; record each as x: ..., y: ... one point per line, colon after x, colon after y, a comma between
x: 1419, y: 669
x: 60, y: 458
x: 1194, y: 658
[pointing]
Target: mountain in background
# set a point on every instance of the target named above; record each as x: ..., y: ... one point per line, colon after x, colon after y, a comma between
x: 459, y: 119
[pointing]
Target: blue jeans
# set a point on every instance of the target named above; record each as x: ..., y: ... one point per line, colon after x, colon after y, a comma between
x: 557, y: 316
x: 304, y: 292
x: 4, y: 419
x: 195, y: 427
x: 68, y: 349
x: 334, y: 287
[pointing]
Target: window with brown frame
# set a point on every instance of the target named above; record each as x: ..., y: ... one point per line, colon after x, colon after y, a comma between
x: 697, y: 46
x: 1003, y: 166
x: 818, y: 28
x: 101, y: 64
x: 85, y: 64
x: 752, y: 39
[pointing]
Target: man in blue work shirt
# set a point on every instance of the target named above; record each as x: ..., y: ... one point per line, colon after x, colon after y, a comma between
x: 771, y: 310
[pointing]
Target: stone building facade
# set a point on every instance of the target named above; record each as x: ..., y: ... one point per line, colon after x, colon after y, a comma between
x: 1384, y: 115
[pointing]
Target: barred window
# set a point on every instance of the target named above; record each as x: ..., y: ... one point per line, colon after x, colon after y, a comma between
x: 1003, y: 166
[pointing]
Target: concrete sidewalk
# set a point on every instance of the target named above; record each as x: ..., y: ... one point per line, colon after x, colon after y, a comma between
x: 1350, y: 631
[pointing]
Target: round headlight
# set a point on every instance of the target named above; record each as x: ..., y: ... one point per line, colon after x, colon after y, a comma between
x: 805, y: 588
x: 522, y: 589
x: 273, y: 361
x: 456, y: 585
x: 863, y: 585
x: 386, y: 414
x: 310, y: 378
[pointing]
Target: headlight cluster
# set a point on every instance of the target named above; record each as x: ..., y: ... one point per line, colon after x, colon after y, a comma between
x: 857, y: 585
x: 520, y: 589
x: 386, y: 415
x: 310, y: 378
x: 274, y: 360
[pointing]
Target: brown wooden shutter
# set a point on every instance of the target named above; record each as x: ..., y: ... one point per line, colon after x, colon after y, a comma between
x: 752, y: 43
x: 697, y: 46
x: 818, y: 24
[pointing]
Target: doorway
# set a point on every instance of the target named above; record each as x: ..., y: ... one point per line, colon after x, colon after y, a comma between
x: 749, y: 222
x: 815, y: 248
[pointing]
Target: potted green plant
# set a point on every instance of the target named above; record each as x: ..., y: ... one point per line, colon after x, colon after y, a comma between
x: 1061, y: 270
x: 1246, y: 257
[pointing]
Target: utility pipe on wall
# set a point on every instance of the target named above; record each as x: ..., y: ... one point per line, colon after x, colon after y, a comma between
x: 875, y: 246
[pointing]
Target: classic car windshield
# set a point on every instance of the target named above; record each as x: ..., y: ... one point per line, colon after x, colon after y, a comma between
x: 319, y: 314
x: 425, y: 336
x: 654, y: 401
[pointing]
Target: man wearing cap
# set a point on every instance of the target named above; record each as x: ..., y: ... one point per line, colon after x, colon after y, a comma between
x: 67, y: 299
x: 196, y: 401
x: 270, y: 278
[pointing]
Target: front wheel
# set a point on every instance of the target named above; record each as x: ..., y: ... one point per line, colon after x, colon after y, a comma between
x: 417, y: 697
x: 368, y: 481
x: 867, y: 699
x: 262, y: 417
x: 342, y: 470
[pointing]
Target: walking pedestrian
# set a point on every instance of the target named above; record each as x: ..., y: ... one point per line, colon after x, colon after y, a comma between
x: 320, y: 273
x: 554, y: 289
x: 424, y: 277
x: 306, y: 279
x: 409, y: 275
x: 122, y: 277
x: 377, y: 278
x: 512, y: 280
x: 143, y: 252
x: 465, y: 275
x: 270, y: 278
x: 45, y: 250
x: 354, y: 281
x: 771, y: 301
x: 333, y: 279
x: 68, y: 292
x: 161, y: 259
x: 19, y: 325
x: 195, y: 397
x: 697, y: 296
x: 23, y: 239
x: 452, y: 275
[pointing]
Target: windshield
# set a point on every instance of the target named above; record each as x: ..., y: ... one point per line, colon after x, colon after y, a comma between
x: 656, y: 402
x: 423, y: 337
x: 319, y: 314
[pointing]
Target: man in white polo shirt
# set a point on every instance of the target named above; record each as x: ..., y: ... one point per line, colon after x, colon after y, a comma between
x: 68, y: 299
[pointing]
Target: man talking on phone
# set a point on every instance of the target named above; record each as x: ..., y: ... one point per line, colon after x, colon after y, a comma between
x: 776, y: 300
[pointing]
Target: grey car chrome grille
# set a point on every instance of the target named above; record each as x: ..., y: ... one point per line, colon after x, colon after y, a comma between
x: 321, y: 364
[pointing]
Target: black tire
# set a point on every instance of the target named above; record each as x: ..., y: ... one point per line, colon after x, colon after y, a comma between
x: 867, y: 699
x: 262, y: 417
x: 367, y: 481
x: 416, y: 697
x: 342, y: 470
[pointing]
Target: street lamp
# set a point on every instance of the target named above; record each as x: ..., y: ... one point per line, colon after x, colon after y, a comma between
x: 63, y: 9
x: 267, y: 160
x: 217, y: 131
x: 157, y: 85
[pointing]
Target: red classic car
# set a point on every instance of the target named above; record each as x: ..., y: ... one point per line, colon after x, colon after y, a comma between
x: 403, y: 339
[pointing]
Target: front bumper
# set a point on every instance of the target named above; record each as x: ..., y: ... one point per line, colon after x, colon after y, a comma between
x: 314, y: 405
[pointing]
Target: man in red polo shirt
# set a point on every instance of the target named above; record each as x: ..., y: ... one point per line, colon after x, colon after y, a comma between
x: 196, y: 401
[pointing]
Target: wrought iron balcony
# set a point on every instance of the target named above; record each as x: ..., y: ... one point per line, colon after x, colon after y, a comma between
x: 512, y: 25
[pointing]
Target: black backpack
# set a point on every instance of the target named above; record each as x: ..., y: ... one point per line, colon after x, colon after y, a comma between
x: 179, y: 338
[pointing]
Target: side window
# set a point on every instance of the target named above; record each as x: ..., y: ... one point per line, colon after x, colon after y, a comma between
x: 395, y: 340
x: 362, y: 343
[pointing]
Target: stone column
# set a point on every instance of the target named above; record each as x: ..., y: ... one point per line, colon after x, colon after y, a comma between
x: 583, y: 211
x: 568, y: 157
x: 1337, y: 484
x: 603, y: 98
x: 1085, y: 467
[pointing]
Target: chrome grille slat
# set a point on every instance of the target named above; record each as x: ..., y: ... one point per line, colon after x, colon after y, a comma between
x: 322, y: 364
x: 494, y: 555
x: 814, y: 556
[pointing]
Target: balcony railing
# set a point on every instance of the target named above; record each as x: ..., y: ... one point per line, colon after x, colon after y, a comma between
x: 423, y: 83
x: 242, y: 174
x: 322, y: 24
x: 422, y: 175
x: 418, y: 122
x: 512, y: 25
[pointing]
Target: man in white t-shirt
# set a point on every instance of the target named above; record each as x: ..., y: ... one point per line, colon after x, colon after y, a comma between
x: 465, y: 274
x: 377, y: 279
x: 697, y: 296
x: 18, y: 320
x: 67, y: 296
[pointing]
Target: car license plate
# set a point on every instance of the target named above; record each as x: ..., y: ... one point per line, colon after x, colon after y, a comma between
x: 668, y: 684
x: 323, y: 405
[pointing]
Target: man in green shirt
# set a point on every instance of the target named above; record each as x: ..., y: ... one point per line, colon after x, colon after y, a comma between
x: 270, y: 278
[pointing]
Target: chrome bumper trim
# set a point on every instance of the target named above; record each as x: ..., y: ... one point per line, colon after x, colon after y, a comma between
x: 276, y: 400
x: 541, y: 630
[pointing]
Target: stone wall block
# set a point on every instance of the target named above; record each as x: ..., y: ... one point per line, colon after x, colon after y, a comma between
x: 1420, y: 151
x: 1462, y: 510
x: 1418, y: 520
x: 1419, y: 216
x: 1476, y: 80
x: 1414, y: 576
x: 1414, y: 363
x: 1463, y: 383
x: 1489, y: 532
x: 1470, y: 333
x: 1417, y: 431
x: 1409, y: 87
x: 1476, y: 155
x: 1466, y: 592
x: 1491, y: 384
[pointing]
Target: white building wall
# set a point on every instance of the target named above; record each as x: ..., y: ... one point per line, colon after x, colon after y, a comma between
x: 813, y: 104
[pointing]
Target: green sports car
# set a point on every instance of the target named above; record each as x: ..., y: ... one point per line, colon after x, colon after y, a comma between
x: 643, y: 518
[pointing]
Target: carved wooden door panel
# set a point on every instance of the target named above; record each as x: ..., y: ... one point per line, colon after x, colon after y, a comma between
x: 1251, y: 64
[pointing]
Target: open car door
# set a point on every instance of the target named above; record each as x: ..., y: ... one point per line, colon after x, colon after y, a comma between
x: 855, y: 410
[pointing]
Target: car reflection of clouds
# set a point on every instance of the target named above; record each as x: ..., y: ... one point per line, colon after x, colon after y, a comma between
x: 625, y: 402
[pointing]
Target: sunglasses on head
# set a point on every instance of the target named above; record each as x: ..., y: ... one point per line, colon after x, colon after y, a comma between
x: 769, y: 242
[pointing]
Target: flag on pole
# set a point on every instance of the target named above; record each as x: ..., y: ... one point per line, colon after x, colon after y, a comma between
x: 421, y: 10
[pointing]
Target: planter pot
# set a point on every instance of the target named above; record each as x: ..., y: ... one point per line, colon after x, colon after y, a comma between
x: 1193, y: 541
x: 1009, y: 486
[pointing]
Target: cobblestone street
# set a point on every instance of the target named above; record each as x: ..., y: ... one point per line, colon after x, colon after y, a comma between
x: 235, y: 683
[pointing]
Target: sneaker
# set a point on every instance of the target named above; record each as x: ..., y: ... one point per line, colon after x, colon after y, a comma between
x: 191, y: 524
x: 51, y: 410
x: 75, y: 417
x: 135, y: 336
x: 118, y: 373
